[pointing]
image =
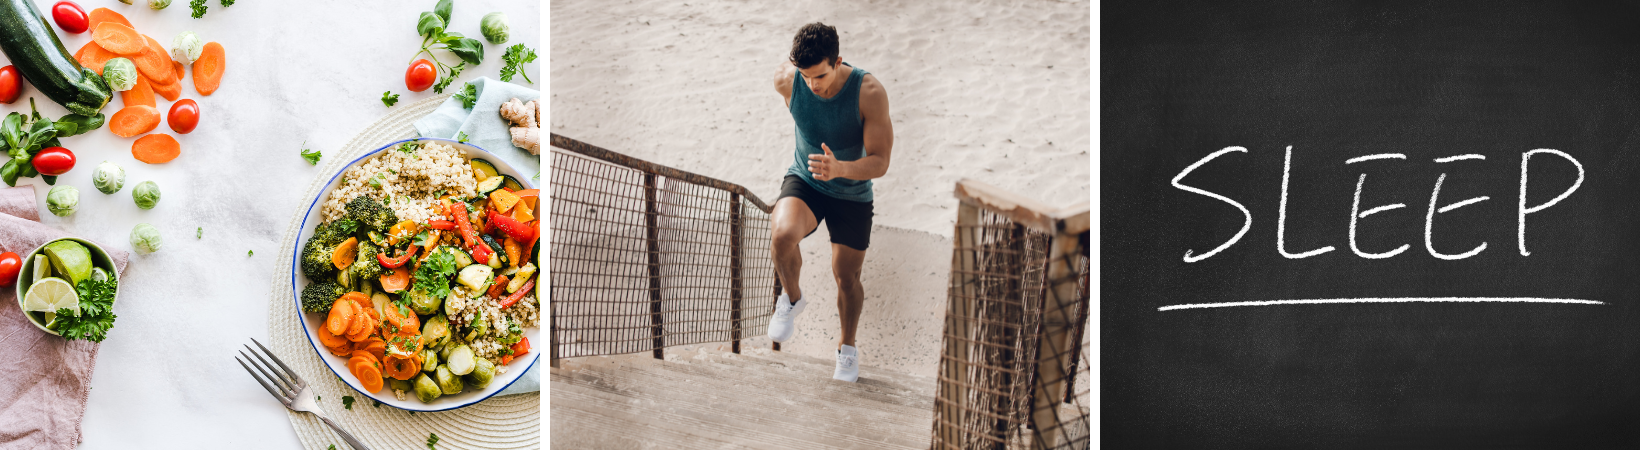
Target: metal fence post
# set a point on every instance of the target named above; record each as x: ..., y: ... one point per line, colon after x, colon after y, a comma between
x: 652, y: 236
x: 734, y: 272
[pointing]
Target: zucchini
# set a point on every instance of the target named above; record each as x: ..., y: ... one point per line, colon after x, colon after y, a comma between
x: 379, y: 239
x: 490, y: 185
x: 31, y: 45
x: 498, y: 257
x: 462, y: 258
x: 520, y: 278
x: 483, y: 170
x: 511, y: 183
x: 476, y: 277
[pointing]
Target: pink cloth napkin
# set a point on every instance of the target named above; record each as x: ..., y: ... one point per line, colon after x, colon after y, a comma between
x: 45, y: 379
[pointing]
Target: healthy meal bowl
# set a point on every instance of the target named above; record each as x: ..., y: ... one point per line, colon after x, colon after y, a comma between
x: 415, y: 277
x: 67, y: 288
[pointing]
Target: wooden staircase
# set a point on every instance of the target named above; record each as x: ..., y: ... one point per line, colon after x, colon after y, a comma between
x: 714, y: 399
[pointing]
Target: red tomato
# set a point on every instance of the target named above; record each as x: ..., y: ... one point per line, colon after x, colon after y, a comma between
x: 11, y: 84
x: 53, y: 161
x: 184, y: 116
x: 70, y: 17
x: 10, y: 264
x: 420, y: 76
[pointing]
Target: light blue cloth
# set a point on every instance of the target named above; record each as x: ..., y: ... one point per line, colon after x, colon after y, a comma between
x: 486, y: 129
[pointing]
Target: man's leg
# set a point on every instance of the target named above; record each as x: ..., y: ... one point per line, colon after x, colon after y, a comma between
x: 789, y: 224
x: 851, y: 296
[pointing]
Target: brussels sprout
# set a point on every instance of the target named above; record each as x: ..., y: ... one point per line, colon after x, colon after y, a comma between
x: 482, y: 374
x: 120, y: 73
x: 400, y: 385
x: 429, y: 360
x: 448, y: 382
x: 158, y: 4
x: 62, y: 200
x: 422, y: 302
x: 125, y: 1
x: 461, y: 360
x: 435, y: 332
x: 185, y: 47
x: 108, y: 178
x: 145, y: 238
x: 426, y: 389
x: 494, y: 27
x: 146, y: 194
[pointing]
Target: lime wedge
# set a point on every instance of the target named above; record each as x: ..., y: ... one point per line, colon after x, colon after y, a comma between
x: 99, y: 275
x: 42, y: 268
x: 50, y: 295
x: 51, y: 320
x: 70, y: 259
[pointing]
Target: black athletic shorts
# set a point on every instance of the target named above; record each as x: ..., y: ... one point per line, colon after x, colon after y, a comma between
x: 848, y: 221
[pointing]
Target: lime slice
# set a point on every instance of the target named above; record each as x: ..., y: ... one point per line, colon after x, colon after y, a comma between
x: 99, y: 275
x: 50, y: 295
x: 42, y: 268
x: 70, y: 259
x: 51, y: 320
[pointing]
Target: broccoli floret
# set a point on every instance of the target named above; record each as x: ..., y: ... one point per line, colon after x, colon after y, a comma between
x: 318, y: 297
x: 316, y: 258
x: 336, y: 231
x: 371, y: 214
x: 366, y: 267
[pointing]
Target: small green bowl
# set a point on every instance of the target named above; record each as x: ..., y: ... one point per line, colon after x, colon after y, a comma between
x: 25, y: 275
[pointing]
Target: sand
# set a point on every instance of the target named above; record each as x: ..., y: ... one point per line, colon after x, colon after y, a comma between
x: 994, y: 91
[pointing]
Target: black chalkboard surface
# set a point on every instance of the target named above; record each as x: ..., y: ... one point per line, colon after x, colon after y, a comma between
x: 1254, y: 296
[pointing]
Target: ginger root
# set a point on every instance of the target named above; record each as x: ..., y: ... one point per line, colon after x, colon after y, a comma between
x: 526, y: 128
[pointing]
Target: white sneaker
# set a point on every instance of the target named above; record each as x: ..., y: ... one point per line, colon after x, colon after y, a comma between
x: 782, y: 326
x: 848, y: 364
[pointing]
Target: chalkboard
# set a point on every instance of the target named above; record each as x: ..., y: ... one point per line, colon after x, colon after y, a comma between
x: 1252, y: 157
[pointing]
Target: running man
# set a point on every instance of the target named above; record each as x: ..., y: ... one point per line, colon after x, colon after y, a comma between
x: 843, y: 141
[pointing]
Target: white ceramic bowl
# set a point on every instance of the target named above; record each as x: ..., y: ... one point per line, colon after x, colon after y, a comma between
x: 25, y: 275
x: 338, y: 365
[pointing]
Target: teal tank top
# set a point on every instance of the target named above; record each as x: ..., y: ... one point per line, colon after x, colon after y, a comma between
x: 837, y: 123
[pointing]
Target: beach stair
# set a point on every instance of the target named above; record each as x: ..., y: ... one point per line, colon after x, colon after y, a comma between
x: 715, y: 399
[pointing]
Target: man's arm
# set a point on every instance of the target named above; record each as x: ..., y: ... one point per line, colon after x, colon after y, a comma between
x: 783, y: 81
x: 878, y: 141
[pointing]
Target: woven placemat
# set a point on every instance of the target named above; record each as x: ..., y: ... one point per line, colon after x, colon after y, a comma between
x: 501, y: 422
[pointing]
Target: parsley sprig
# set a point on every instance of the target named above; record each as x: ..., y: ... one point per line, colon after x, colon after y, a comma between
x: 431, y: 27
x: 389, y: 98
x: 96, y: 314
x: 516, y: 57
x: 312, y: 156
x: 468, y: 95
x: 433, y: 277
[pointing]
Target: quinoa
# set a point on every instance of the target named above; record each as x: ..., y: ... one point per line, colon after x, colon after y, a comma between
x: 407, y: 182
x: 468, y: 309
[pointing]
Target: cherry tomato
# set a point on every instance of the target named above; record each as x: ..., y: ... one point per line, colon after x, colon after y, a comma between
x: 53, y: 161
x: 10, y: 264
x: 70, y: 17
x: 420, y: 76
x: 11, y: 84
x: 184, y: 116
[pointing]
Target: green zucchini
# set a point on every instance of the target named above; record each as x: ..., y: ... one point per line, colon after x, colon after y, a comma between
x: 498, y: 258
x: 29, y: 42
x: 485, y: 168
x: 461, y: 257
x: 512, y: 183
x: 490, y: 185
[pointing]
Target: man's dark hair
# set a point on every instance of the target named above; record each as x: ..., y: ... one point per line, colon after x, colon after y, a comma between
x: 814, y: 44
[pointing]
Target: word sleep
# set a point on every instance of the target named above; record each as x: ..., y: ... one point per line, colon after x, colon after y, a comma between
x: 1357, y: 215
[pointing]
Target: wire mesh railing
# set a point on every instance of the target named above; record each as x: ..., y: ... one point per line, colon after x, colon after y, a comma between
x: 1012, y: 370
x: 646, y: 257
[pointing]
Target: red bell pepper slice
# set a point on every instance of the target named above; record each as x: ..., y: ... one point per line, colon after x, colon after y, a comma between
x: 394, y: 263
x: 511, y: 226
x: 482, y: 253
x: 516, y: 296
x: 498, y: 287
x: 458, y: 213
x: 521, y: 347
x: 441, y: 224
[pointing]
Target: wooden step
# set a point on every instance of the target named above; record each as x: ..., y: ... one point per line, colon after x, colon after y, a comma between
x: 899, y: 390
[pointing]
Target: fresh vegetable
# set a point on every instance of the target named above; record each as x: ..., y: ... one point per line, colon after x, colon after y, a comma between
x: 40, y: 58
x: 120, y: 73
x: 431, y: 26
x: 53, y: 161
x: 461, y: 361
x: 503, y: 201
x: 441, y: 224
x: 75, y: 124
x: 397, y: 280
x: 23, y: 137
x: 435, y: 332
x: 483, y: 372
x: 498, y: 287
x: 312, y: 156
x: 186, y: 47
x: 389, y: 98
x: 525, y: 120
x: 11, y: 84
x: 140, y: 95
x: 371, y: 214
x: 145, y: 238
x: 198, y: 7
x: 146, y: 194
x: 157, y: 148
x: 364, y: 265
x: 319, y: 296
x: 468, y: 95
x: 155, y: 63
x: 179, y: 69
x: 344, y: 254
x: 427, y: 390
x: 417, y: 78
x: 134, y: 120
x: 433, y: 276
x: 100, y: 15
x: 10, y: 266
x: 184, y: 116
x: 458, y: 214
x: 421, y: 302
x: 69, y: 17
x: 63, y: 200
x: 93, y: 57
x: 494, y: 27
x: 158, y: 4
x: 514, y: 60
x: 169, y: 91
x: 448, y: 382
x: 96, y: 311
x: 519, y: 295
x: 475, y: 276
x: 521, y: 277
x: 396, y: 261
x: 513, y: 228
x: 209, y: 67
x: 118, y: 38
x: 494, y: 255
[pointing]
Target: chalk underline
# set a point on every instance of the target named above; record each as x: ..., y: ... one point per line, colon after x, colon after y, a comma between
x: 1383, y: 300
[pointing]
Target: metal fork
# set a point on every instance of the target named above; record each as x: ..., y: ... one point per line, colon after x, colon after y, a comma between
x: 290, y: 389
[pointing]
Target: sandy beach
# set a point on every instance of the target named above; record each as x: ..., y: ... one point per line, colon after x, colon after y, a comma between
x: 994, y: 91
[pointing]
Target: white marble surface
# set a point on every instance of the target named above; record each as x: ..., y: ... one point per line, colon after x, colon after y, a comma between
x: 297, y: 70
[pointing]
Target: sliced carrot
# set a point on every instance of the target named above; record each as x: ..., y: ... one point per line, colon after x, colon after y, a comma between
x: 371, y: 378
x: 342, y: 350
x: 134, y: 120
x: 376, y: 347
x: 179, y: 69
x: 93, y: 57
x: 396, y: 280
x: 401, y: 368
x: 157, y: 148
x: 338, y: 320
x: 329, y: 339
x: 345, y: 254
x: 171, y: 92
x: 100, y: 15
x: 358, y: 328
x: 362, y: 353
x: 208, y: 68
x: 140, y: 95
x: 118, y: 38
x: 155, y: 63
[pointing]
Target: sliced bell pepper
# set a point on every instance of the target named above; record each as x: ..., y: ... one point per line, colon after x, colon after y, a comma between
x: 516, y: 296
x: 521, y: 347
x: 512, y: 227
x: 482, y: 253
x: 458, y: 213
x: 441, y: 224
x: 499, y: 287
x: 395, y: 262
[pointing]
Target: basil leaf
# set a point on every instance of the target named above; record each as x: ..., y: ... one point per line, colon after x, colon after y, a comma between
x: 36, y: 138
x: 447, y: 38
x: 470, y: 50
x: 8, y: 172
x: 27, y: 170
x: 51, y: 180
x: 12, y: 129
x: 429, y: 25
x: 443, y: 9
x: 75, y: 124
